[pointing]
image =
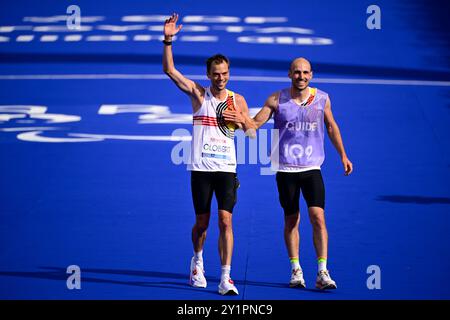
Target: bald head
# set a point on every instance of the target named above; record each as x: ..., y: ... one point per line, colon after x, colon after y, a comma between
x: 300, y: 73
x: 300, y: 64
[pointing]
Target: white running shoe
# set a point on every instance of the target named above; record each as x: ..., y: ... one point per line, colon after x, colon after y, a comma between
x: 227, y: 287
x: 297, y: 279
x: 324, y: 281
x: 197, y: 275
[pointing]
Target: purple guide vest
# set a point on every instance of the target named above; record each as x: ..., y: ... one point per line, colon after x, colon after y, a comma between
x: 301, y: 129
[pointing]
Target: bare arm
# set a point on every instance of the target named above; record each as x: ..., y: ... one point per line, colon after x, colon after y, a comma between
x: 247, y: 123
x: 262, y: 117
x: 267, y: 110
x: 194, y: 90
x: 335, y: 136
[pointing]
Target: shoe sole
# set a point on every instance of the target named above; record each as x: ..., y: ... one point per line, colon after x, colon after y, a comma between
x: 326, y: 287
x: 197, y: 286
x: 228, y: 293
x: 297, y: 285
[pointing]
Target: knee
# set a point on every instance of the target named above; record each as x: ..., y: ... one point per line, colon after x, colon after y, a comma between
x: 201, y: 225
x: 201, y: 228
x: 318, y: 222
x: 291, y: 222
x: 225, y: 223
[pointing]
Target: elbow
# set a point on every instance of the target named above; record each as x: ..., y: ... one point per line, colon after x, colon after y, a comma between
x: 330, y: 130
x: 167, y: 69
x: 168, y: 72
x: 331, y: 127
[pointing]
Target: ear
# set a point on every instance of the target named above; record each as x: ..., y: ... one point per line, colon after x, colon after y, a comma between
x: 290, y: 74
x: 207, y: 74
x: 312, y: 74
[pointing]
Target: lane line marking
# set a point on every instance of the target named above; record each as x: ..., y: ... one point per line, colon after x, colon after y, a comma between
x: 234, y: 78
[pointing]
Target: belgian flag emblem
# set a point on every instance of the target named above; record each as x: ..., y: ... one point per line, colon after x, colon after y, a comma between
x: 226, y: 127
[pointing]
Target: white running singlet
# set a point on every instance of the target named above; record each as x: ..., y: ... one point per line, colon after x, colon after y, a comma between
x: 212, y: 146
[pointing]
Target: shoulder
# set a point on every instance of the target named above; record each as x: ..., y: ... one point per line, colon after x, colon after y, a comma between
x: 275, y: 95
x: 240, y: 100
x: 274, y: 99
x: 322, y: 94
x: 322, y: 97
x: 239, y: 97
x: 320, y: 91
x: 206, y: 93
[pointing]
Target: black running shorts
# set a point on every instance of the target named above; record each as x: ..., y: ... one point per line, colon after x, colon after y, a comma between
x: 205, y: 183
x: 291, y: 183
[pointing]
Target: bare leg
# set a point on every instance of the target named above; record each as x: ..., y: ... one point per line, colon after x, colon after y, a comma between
x: 320, y: 234
x: 291, y: 234
x: 199, y: 231
x: 226, y: 240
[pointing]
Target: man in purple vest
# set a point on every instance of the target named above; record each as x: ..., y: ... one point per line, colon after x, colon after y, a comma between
x: 302, y: 114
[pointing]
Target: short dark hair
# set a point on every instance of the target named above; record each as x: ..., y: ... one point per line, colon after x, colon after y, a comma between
x: 217, y: 59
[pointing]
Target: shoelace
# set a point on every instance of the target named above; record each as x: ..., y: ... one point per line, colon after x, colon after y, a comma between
x: 297, y: 272
x: 199, y: 265
x: 325, y: 276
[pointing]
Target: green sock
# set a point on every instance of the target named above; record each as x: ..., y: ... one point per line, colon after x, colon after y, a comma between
x: 295, y: 263
x: 322, y: 264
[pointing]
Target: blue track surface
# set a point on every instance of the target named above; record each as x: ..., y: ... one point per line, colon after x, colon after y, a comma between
x: 121, y: 210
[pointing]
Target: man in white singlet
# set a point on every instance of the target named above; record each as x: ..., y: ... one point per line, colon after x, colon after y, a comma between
x: 213, y: 155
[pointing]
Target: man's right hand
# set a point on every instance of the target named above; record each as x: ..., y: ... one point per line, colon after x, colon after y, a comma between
x: 170, y: 27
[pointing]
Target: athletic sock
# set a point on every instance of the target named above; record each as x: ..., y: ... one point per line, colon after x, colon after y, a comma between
x: 198, y: 256
x: 322, y: 264
x: 295, y: 263
x: 226, y: 269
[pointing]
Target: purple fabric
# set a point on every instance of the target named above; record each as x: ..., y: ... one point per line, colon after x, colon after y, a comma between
x: 301, y: 130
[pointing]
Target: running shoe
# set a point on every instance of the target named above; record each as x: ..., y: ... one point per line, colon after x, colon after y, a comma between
x: 197, y: 275
x: 297, y: 280
x: 227, y: 287
x: 324, y: 281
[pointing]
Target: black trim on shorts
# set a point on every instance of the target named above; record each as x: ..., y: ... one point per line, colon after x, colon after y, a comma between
x: 205, y: 183
x: 290, y: 184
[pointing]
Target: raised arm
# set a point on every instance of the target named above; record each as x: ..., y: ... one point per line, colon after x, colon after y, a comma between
x: 335, y: 136
x: 191, y: 88
x: 267, y: 110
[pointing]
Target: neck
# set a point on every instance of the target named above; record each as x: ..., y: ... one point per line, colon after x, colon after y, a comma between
x: 218, y: 94
x: 298, y: 94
